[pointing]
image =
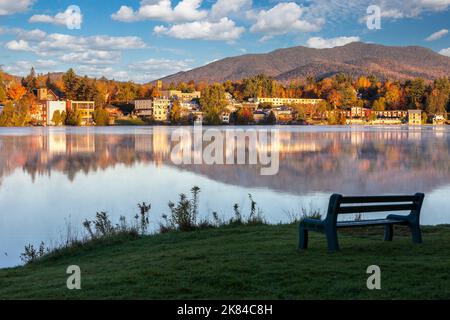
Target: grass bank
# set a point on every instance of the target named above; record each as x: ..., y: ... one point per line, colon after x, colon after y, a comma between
x: 241, y: 262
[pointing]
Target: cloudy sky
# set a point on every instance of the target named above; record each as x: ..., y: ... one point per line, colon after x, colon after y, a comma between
x: 145, y: 40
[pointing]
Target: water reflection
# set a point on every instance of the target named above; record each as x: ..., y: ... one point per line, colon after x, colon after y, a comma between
x: 347, y: 161
x: 49, y: 175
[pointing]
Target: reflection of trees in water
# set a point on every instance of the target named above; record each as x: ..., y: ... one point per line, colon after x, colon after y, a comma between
x: 348, y: 162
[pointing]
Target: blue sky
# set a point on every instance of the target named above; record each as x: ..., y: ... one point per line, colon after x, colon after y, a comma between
x: 145, y: 40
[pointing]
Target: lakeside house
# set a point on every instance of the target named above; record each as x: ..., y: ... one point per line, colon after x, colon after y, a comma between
x: 414, y: 117
x: 48, y: 102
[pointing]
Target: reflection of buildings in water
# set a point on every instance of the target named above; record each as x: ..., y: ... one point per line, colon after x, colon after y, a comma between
x: 310, y: 161
x: 56, y: 143
x: 414, y: 133
x: 143, y: 143
x: 78, y: 143
x: 357, y: 138
x: 161, y: 144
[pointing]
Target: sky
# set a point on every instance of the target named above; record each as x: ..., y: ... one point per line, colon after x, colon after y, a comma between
x: 145, y: 40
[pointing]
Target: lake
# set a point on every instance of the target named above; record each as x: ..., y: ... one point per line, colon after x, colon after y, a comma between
x: 54, y: 177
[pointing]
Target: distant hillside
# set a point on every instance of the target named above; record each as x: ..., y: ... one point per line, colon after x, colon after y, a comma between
x: 298, y: 62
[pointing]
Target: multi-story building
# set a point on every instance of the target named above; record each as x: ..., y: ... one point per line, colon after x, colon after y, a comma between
x: 143, y: 108
x: 161, y: 109
x: 391, y: 114
x: 415, y: 117
x: 279, y: 102
x: 49, y: 110
x: 85, y: 108
x: 182, y: 96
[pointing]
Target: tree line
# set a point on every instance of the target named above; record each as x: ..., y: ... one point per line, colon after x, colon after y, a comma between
x: 338, y: 92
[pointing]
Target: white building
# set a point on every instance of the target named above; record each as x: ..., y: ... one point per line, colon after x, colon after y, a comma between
x: 50, y: 109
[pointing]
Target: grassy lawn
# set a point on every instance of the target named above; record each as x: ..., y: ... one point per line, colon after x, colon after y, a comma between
x: 247, y: 262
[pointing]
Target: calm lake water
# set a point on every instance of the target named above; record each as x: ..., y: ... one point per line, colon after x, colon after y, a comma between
x: 51, y: 177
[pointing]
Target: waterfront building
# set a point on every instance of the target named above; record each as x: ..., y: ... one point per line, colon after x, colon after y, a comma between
x: 279, y: 102
x: 49, y: 110
x: 161, y: 109
x: 439, y: 119
x: 415, y: 117
x: 143, y: 108
x: 86, y: 109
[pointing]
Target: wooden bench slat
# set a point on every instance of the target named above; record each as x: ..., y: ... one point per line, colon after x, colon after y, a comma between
x: 378, y: 199
x: 380, y: 208
x: 362, y: 223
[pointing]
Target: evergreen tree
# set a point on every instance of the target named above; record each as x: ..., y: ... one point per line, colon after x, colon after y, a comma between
x: 71, y: 84
x: 213, y: 102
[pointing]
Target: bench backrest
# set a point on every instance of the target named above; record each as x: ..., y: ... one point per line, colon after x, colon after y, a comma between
x: 351, y: 205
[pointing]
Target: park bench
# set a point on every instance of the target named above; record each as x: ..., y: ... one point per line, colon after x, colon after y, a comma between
x: 357, y: 205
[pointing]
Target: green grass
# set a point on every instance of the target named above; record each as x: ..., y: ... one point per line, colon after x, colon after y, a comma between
x: 242, y: 262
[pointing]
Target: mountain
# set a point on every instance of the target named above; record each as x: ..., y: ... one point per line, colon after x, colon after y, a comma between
x: 298, y: 62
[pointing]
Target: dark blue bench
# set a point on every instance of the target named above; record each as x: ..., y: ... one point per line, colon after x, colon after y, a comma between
x: 356, y: 205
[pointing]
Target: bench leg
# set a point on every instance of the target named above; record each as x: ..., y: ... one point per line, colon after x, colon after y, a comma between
x: 388, y: 232
x: 332, y: 239
x: 303, y: 238
x: 416, y: 233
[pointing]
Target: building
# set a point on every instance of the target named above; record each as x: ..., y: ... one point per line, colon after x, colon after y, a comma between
x: 415, y: 117
x: 439, y: 119
x: 85, y: 108
x: 283, y: 114
x: 397, y: 114
x: 279, y: 102
x: 259, y: 116
x: 143, y: 108
x: 182, y: 96
x: 45, y: 94
x: 161, y: 109
x: 49, y: 110
x: 225, y: 117
x: 1, y: 108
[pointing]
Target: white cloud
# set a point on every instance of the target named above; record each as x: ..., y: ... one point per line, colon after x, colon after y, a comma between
x: 152, y: 69
x: 437, y: 35
x: 92, y: 57
x: 18, y: 45
x: 44, y: 44
x: 72, y: 18
x: 222, y: 8
x: 445, y: 52
x: 224, y: 29
x: 22, y: 67
x: 321, y: 43
x: 282, y: 19
x: 162, y: 10
x: 8, y: 7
